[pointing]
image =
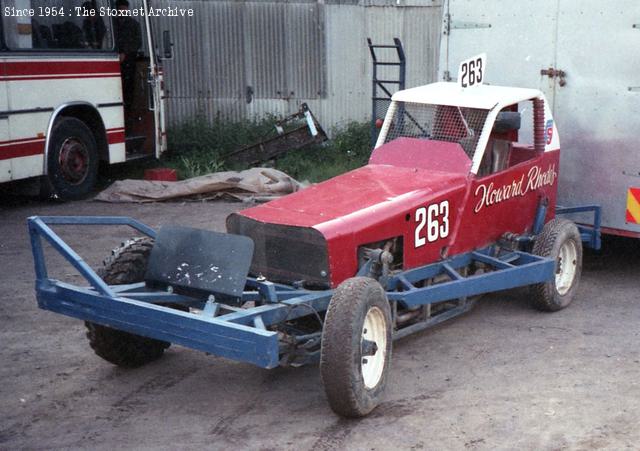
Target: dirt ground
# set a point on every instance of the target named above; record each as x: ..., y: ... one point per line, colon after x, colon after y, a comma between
x: 503, y: 376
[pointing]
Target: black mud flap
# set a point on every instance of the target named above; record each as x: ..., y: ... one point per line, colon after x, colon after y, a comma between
x: 198, y: 262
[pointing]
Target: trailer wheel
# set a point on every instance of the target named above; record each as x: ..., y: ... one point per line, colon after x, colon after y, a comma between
x: 560, y: 240
x: 72, y: 162
x: 356, y: 347
x: 127, y: 264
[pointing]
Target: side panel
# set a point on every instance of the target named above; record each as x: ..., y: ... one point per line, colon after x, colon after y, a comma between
x: 507, y: 202
x: 427, y: 220
x: 598, y: 109
x: 37, y: 87
x: 429, y: 228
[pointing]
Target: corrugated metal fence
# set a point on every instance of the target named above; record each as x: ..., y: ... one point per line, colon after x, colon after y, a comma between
x: 243, y: 59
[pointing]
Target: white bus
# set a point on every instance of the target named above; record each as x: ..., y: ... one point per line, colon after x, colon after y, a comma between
x: 62, y: 108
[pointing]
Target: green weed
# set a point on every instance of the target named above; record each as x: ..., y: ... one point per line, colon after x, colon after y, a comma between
x: 347, y: 150
x: 197, y: 147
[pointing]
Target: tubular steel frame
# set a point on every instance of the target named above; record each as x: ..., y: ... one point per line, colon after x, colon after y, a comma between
x: 247, y: 334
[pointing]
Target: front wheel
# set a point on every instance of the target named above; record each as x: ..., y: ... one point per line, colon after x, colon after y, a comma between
x: 560, y: 241
x: 126, y: 265
x: 356, y: 347
x: 72, y: 164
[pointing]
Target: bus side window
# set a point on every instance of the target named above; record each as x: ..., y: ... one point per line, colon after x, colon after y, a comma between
x: 53, y: 31
x: 68, y: 35
x: 42, y: 36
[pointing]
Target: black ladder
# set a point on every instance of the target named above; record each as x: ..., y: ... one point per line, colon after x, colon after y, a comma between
x: 382, y: 87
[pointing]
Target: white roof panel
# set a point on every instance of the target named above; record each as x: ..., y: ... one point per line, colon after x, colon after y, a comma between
x: 483, y: 97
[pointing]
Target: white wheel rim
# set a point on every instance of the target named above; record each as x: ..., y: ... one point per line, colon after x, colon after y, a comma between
x: 374, y: 329
x: 566, y: 267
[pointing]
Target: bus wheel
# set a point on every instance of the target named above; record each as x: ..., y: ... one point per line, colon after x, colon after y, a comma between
x: 73, y: 161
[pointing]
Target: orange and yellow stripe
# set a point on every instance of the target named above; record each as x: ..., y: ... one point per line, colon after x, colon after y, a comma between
x: 633, y: 205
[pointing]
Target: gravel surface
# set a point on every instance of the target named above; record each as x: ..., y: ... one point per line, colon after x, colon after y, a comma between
x: 503, y: 376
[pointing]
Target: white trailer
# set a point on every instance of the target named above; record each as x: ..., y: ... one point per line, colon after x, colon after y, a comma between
x: 584, y: 56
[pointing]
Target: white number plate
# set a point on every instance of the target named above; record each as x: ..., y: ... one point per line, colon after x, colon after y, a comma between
x: 433, y: 223
x: 471, y: 71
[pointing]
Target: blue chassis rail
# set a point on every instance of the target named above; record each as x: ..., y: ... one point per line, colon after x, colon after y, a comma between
x: 243, y: 334
x: 590, y: 234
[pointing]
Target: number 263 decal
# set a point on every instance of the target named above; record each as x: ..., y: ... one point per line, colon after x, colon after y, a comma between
x: 433, y: 223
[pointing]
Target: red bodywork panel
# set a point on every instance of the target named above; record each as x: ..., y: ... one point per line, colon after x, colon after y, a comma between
x: 382, y: 200
x: 416, y: 153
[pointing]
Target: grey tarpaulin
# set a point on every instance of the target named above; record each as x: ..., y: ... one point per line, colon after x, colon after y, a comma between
x: 257, y: 183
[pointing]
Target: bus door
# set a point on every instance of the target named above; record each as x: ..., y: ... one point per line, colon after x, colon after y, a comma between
x: 156, y: 86
x: 143, y: 118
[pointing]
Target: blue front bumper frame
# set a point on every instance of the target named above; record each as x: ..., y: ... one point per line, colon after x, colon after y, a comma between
x: 249, y: 334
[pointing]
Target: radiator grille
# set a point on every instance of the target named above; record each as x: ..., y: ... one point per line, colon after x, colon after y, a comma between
x: 285, y: 254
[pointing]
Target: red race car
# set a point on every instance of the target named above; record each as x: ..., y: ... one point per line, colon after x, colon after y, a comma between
x: 458, y: 199
x: 450, y: 173
x: 455, y: 171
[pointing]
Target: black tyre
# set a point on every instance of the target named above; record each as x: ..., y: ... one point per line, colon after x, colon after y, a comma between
x: 560, y: 240
x: 127, y: 264
x: 72, y: 161
x: 356, y: 347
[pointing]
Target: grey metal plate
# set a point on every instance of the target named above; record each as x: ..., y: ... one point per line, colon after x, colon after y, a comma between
x: 199, y: 262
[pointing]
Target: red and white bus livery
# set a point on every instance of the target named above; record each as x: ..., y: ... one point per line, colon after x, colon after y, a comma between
x: 62, y: 106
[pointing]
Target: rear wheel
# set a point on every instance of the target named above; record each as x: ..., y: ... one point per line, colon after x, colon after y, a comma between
x: 72, y: 165
x: 560, y: 241
x: 356, y: 347
x: 127, y: 264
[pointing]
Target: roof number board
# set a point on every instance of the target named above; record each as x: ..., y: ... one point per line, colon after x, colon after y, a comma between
x: 471, y: 71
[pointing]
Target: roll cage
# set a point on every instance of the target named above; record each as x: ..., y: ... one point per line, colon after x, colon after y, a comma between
x: 475, y: 118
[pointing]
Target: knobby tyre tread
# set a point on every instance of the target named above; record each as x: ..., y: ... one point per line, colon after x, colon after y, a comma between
x: 126, y: 264
x: 340, y: 355
x: 544, y: 296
